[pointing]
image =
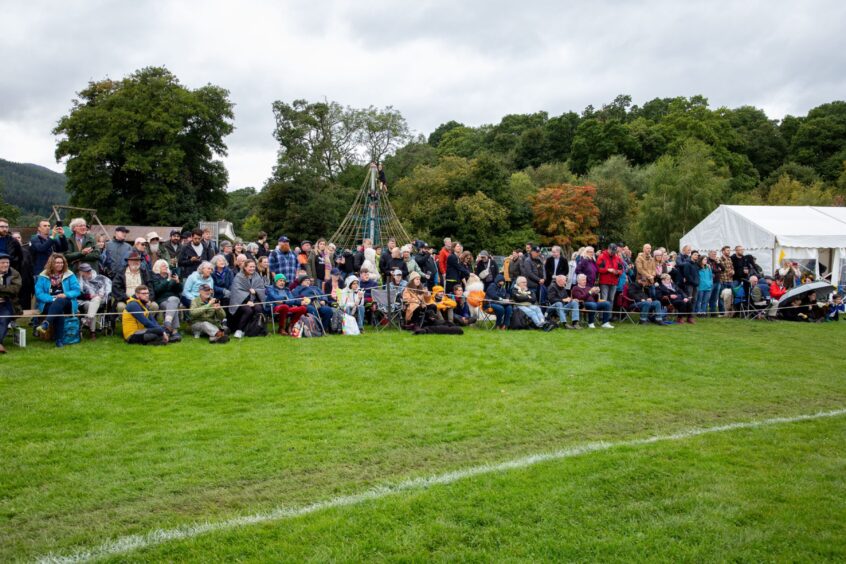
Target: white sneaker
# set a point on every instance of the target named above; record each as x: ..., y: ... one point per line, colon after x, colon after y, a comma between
x: 591, y: 326
x: 607, y: 326
x: 196, y: 335
x: 238, y: 334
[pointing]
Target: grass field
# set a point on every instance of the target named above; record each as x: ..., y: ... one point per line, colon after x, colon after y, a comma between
x: 103, y: 440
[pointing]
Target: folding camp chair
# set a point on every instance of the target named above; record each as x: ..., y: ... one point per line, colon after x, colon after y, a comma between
x: 392, y: 311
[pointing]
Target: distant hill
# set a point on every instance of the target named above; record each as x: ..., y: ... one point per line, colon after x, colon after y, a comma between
x: 32, y: 188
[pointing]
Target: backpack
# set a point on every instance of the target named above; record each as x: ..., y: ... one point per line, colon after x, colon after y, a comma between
x: 519, y: 320
x: 336, y: 324
x: 257, y: 327
x: 475, y: 298
x: 71, y: 336
x: 306, y: 327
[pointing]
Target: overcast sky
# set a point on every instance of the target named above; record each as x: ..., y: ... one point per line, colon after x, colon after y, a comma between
x: 433, y: 61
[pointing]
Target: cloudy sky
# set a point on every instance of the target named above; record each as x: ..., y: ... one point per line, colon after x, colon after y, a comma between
x: 472, y: 61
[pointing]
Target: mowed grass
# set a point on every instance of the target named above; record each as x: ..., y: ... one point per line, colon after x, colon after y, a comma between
x: 102, y: 440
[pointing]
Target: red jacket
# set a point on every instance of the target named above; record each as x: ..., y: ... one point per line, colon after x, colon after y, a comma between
x: 606, y: 261
x: 777, y: 292
x: 443, y: 255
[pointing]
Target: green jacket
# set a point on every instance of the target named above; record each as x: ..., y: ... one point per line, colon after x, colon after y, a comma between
x: 201, y: 311
x: 75, y: 256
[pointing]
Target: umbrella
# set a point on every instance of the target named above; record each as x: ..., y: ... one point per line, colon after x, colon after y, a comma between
x: 803, y: 290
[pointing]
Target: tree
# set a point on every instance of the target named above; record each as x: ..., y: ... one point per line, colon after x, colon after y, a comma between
x: 407, y: 158
x: 240, y: 204
x: 381, y: 132
x: 460, y: 142
x: 566, y: 215
x: 483, y: 219
x: 759, y: 137
x: 315, y: 139
x: 436, y: 136
x: 10, y: 212
x: 142, y: 149
x: 683, y: 189
x: 616, y: 183
x: 820, y: 140
x: 560, y: 131
x: 790, y: 192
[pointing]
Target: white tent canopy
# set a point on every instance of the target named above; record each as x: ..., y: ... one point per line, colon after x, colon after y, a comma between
x: 807, y: 234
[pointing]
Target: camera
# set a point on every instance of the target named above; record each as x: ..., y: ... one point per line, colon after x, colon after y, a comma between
x: 59, y: 223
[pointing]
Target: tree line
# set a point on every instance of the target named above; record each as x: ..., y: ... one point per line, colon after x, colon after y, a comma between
x: 146, y: 150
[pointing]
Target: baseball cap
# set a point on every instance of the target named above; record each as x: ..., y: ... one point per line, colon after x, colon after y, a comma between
x: 284, y: 239
x: 335, y: 272
x: 122, y: 228
x: 396, y: 272
x: 204, y: 287
x: 140, y: 240
x: 133, y: 256
x: 84, y: 267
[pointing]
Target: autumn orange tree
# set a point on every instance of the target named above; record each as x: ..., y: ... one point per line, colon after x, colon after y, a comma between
x: 565, y: 214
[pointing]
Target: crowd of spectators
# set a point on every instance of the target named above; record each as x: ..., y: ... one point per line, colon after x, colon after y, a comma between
x: 157, y: 288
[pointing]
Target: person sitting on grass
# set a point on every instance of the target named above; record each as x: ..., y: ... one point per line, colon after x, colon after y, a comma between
x: 461, y: 312
x: 351, y: 300
x: 497, y: 300
x: 670, y: 295
x: 796, y: 311
x: 95, y: 289
x: 246, y: 299
x: 561, y: 302
x: 10, y: 286
x: 527, y: 303
x: 56, y: 292
x: 443, y: 304
x: 586, y: 296
x: 166, y: 288
x: 835, y: 308
x: 640, y: 294
x: 139, y: 325
x: 415, y: 296
x: 191, y: 287
x: 285, y: 306
x: 207, y: 316
x: 128, y: 278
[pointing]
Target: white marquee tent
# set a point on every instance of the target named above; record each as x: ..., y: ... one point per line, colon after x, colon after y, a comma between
x: 812, y: 236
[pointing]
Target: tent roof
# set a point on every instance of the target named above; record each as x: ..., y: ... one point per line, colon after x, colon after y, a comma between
x: 762, y: 227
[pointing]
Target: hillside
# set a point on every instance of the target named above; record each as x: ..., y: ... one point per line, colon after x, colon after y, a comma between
x: 32, y: 188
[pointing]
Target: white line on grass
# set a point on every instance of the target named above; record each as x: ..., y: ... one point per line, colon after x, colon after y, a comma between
x: 155, y: 537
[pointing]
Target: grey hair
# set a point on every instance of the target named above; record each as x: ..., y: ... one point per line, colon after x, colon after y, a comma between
x: 252, y: 248
x: 77, y: 221
x: 214, y: 260
x: 204, y: 264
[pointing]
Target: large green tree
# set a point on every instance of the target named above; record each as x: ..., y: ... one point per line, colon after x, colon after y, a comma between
x: 143, y: 149
x: 820, y: 140
x: 683, y: 189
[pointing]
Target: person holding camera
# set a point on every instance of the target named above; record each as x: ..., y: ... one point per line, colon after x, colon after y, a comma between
x: 207, y: 316
x: 45, y: 243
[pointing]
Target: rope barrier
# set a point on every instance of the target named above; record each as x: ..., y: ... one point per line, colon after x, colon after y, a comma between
x: 635, y: 309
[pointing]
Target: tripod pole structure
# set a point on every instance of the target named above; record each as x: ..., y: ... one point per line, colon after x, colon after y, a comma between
x: 371, y: 217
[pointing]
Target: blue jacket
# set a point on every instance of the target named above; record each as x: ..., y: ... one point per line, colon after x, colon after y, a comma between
x: 279, y: 297
x: 70, y: 287
x: 706, y: 279
x: 495, y: 292
x: 222, y: 281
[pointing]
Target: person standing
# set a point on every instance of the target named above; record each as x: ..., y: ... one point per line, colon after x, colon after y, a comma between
x: 10, y: 246
x: 82, y: 247
x: 45, y: 243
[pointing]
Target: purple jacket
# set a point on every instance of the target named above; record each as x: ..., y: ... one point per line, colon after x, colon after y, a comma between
x: 589, y: 269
